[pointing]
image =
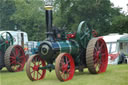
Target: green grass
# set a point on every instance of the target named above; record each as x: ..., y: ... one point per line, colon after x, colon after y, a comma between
x: 115, y: 75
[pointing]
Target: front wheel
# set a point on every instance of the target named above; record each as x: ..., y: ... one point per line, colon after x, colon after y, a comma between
x: 32, y: 68
x: 64, y: 67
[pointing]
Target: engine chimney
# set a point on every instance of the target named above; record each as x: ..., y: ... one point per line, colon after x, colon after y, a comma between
x: 48, y: 11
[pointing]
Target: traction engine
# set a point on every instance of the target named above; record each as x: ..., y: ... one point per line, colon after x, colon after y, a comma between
x: 11, y: 56
x: 67, y: 52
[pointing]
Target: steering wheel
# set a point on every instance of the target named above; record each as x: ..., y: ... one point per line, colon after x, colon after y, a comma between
x: 84, y: 34
x: 7, y: 38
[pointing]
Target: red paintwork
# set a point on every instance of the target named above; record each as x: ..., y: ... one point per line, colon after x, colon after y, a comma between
x: 94, y: 33
x: 113, y: 56
x: 36, y: 73
x: 67, y: 61
x: 71, y: 36
x: 17, y: 52
x: 6, y: 42
x: 101, y: 37
x: 101, y: 62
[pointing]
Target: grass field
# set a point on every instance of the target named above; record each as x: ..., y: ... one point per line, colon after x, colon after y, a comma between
x: 115, y: 75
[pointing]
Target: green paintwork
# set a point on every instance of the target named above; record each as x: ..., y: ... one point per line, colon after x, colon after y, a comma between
x: 49, y: 67
x: 70, y: 47
x: 123, y: 39
x: 3, y: 44
x: 84, y: 34
x: 124, y: 47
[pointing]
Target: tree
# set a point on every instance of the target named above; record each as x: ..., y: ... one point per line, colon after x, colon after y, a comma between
x: 120, y: 24
x: 7, y: 8
x: 98, y: 13
x: 29, y: 17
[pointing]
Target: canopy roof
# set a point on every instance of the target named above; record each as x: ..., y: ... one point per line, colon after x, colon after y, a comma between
x: 123, y: 39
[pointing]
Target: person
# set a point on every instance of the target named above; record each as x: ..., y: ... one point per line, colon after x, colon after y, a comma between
x: 121, y: 58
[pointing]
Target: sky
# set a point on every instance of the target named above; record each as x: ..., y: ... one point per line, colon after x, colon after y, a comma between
x: 121, y: 3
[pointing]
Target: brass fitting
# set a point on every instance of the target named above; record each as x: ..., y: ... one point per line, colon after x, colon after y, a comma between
x: 48, y: 7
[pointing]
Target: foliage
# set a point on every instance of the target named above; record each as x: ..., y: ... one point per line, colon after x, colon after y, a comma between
x: 7, y: 8
x: 29, y: 16
x: 98, y: 13
x: 120, y: 24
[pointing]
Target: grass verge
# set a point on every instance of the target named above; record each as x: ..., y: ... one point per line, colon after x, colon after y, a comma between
x: 115, y: 75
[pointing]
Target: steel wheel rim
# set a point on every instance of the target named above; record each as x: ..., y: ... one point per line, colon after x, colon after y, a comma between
x: 100, y: 56
x: 97, y: 56
x: 65, y: 67
x: 17, y: 59
x: 32, y: 68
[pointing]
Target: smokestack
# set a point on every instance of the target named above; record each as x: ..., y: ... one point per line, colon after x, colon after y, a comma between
x: 48, y: 13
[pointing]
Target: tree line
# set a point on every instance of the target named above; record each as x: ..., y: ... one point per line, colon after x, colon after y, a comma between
x: 29, y: 16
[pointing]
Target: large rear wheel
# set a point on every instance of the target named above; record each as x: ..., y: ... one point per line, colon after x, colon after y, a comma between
x: 32, y: 68
x: 64, y: 67
x: 96, y: 56
x: 14, y: 58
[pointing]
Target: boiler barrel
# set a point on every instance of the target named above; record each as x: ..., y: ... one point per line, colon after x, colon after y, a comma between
x: 71, y: 47
x: 50, y: 50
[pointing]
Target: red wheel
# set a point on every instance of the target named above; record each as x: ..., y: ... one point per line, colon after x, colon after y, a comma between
x: 97, y: 56
x: 64, y: 67
x: 14, y: 58
x: 32, y: 68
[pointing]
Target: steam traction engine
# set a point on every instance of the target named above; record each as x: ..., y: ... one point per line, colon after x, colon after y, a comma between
x: 69, y: 51
x: 11, y: 56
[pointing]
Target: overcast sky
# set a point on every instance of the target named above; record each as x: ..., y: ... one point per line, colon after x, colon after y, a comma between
x: 121, y: 3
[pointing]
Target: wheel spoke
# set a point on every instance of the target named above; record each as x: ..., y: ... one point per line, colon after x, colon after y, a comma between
x: 13, y: 62
x: 34, y: 75
x: 67, y: 60
x: 102, y: 44
x: 16, y: 51
x: 103, y: 54
x: 95, y: 49
x: 40, y: 64
x: 96, y: 60
x: 12, y: 57
x: 19, y: 52
x: 13, y: 52
x: 20, y: 64
x: 82, y: 37
x: 34, y: 62
x: 39, y: 73
x: 97, y: 46
x: 22, y: 57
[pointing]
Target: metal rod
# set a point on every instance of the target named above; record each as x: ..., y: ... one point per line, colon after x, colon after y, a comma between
x: 49, y: 66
